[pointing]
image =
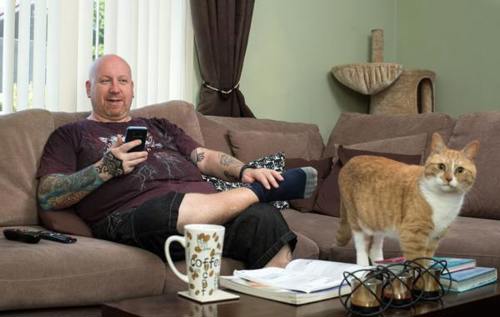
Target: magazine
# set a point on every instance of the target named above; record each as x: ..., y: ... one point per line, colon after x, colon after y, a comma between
x: 301, y: 281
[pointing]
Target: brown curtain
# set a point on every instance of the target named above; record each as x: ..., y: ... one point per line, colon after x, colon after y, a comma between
x: 221, y: 29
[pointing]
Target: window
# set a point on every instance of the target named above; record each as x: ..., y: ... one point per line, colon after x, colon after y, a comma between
x: 49, y: 45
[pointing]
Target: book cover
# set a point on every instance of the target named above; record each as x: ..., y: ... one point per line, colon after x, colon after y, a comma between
x: 468, y: 279
x: 457, y: 264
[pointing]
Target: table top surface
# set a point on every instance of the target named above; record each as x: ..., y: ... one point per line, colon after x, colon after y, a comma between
x: 171, y: 304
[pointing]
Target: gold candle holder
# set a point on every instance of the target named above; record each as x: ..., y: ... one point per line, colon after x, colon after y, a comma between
x: 366, y: 295
x: 428, y: 283
x: 400, y: 289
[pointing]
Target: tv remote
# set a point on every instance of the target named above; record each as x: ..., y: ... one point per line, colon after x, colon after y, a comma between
x: 56, y: 236
x: 22, y: 235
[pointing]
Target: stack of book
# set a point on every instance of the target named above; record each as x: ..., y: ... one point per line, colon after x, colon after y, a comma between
x: 464, y: 274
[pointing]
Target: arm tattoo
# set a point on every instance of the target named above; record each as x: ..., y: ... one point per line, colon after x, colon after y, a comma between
x: 226, y: 160
x: 111, y: 165
x: 197, y: 157
x: 57, y: 191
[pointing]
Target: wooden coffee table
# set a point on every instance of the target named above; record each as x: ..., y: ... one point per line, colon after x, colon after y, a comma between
x: 475, y: 302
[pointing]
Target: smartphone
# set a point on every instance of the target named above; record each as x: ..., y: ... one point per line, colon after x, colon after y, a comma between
x: 136, y: 133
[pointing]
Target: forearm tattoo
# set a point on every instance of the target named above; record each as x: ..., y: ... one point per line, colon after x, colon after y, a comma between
x: 226, y: 160
x: 200, y: 156
x: 111, y: 165
x: 59, y: 191
x: 230, y: 166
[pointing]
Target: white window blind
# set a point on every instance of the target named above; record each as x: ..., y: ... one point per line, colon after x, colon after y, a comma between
x: 46, y: 60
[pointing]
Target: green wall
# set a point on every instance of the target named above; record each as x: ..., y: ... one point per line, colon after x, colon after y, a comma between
x: 460, y: 41
x: 292, y: 47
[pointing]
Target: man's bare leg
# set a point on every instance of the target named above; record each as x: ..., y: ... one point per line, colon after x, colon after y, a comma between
x: 282, y: 258
x: 220, y: 208
x: 217, y: 208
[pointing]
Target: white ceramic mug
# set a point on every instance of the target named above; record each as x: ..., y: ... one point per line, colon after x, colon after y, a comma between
x: 203, y: 244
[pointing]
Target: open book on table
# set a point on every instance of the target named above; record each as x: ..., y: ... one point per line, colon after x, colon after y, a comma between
x: 301, y: 281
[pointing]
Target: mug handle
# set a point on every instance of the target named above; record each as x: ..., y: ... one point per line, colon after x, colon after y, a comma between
x: 182, y: 241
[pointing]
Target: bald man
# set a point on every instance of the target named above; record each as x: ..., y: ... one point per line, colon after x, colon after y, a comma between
x: 141, y: 198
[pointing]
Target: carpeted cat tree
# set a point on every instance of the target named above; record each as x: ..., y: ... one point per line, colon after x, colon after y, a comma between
x: 392, y: 89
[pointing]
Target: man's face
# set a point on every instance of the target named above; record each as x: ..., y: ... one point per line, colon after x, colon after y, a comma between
x: 111, y: 90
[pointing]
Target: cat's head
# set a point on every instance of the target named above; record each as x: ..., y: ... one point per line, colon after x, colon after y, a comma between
x: 451, y: 170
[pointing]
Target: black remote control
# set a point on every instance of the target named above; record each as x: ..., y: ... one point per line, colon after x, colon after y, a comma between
x: 56, y: 236
x: 22, y: 235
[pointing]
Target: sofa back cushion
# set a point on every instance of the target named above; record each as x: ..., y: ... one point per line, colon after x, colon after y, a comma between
x: 264, y: 136
x: 354, y: 128
x: 483, y: 200
x: 24, y: 134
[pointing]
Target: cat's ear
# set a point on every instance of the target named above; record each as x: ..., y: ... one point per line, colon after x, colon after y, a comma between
x: 437, y: 144
x: 471, y: 149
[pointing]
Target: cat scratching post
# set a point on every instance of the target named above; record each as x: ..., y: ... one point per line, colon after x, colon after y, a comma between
x: 412, y: 93
x: 391, y: 89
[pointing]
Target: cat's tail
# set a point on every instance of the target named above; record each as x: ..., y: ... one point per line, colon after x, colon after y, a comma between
x: 344, y: 233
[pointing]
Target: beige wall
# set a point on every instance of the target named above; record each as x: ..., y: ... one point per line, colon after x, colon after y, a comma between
x: 293, y: 45
x: 460, y: 41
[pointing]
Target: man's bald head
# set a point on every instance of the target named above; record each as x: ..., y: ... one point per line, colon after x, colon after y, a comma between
x: 104, y: 58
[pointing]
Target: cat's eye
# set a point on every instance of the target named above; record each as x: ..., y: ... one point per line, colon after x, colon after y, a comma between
x: 442, y: 167
x: 459, y: 169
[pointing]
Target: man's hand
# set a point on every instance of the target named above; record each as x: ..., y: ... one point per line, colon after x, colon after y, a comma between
x: 118, y: 161
x: 266, y: 177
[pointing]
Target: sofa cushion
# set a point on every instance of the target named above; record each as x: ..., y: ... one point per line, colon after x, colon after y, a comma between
x: 66, y: 221
x: 354, y: 128
x: 249, y: 145
x: 24, y: 134
x: 315, y: 141
x: 323, y: 166
x: 483, y: 200
x: 214, y: 134
x: 88, y: 272
x: 408, y: 145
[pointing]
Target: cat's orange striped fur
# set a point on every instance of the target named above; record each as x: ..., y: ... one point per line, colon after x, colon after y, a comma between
x: 416, y: 204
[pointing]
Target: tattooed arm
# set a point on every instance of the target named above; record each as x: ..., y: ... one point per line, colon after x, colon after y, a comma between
x: 59, y: 191
x: 217, y: 164
x: 229, y: 168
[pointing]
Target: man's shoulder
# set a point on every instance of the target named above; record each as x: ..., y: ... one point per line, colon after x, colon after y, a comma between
x: 74, y: 125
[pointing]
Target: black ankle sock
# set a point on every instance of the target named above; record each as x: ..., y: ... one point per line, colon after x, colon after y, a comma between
x: 298, y: 183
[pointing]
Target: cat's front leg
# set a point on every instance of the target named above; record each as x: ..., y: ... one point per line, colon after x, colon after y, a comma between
x: 414, y: 243
x: 361, y: 243
x: 376, y: 247
x: 432, y: 247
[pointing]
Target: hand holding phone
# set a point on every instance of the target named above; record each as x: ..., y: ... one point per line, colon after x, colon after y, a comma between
x: 136, y: 133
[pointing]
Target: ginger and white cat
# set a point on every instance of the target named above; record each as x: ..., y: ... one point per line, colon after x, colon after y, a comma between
x: 381, y: 197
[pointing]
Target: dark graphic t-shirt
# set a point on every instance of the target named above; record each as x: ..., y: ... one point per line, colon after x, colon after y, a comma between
x: 168, y: 168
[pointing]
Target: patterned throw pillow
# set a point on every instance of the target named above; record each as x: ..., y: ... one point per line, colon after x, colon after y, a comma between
x: 274, y: 161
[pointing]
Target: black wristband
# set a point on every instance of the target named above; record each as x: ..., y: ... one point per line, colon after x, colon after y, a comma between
x: 243, y: 168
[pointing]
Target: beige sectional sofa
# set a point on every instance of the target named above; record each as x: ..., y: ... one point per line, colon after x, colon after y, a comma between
x: 91, y: 271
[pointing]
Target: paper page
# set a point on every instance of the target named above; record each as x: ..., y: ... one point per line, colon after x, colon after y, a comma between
x: 301, y: 275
